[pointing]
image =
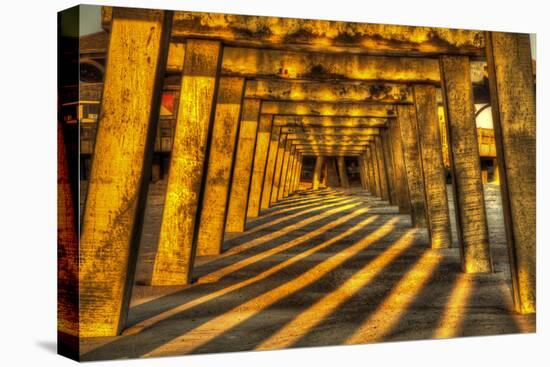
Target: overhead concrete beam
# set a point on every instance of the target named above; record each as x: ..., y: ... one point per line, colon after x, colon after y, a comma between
x: 353, y: 109
x: 340, y: 131
x: 329, y: 121
x: 266, y: 63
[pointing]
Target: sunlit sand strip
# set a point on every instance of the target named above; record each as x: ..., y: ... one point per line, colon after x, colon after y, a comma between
x: 297, y: 206
x: 315, y: 314
x: 454, y: 310
x: 271, y: 235
x: 151, y: 321
x: 396, y: 303
x: 305, y: 198
x: 218, y: 274
x: 221, y: 324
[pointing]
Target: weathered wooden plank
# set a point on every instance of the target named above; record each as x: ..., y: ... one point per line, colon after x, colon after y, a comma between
x: 270, y: 167
x: 319, y: 162
x: 266, y: 63
x: 406, y: 117
x: 329, y: 121
x: 471, y: 220
x: 402, y: 186
x: 326, y: 35
x: 284, y: 169
x: 115, y: 202
x: 176, y: 248
x: 220, y: 160
x: 514, y: 119
x: 328, y: 109
x: 259, y: 165
x: 278, y: 168
x: 329, y: 91
x: 429, y: 138
x: 242, y: 169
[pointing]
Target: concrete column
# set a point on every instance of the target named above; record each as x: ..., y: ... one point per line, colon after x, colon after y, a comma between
x: 401, y: 186
x: 242, y: 169
x: 413, y: 164
x: 220, y: 160
x: 175, y: 252
x: 362, y: 175
x: 319, y: 163
x: 342, y: 172
x: 386, y: 153
x: 383, y: 173
x: 270, y: 167
x: 471, y: 221
x: 289, y: 170
x: 496, y: 172
x: 284, y: 170
x: 113, y: 216
x: 375, y: 170
x: 514, y: 118
x: 68, y: 246
x: 296, y: 184
x: 259, y: 165
x: 433, y: 169
x: 332, y: 174
x: 278, y: 168
x: 370, y: 172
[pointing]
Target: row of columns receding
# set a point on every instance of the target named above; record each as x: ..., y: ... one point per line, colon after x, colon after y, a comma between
x: 238, y: 148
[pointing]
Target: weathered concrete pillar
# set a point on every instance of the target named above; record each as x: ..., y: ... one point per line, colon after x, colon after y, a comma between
x: 386, y: 153
x: 332, y: 172
x: 514, y: 118
x: 270, y: 166
x: 298, y: 173
x: 279, y: 161
x: 117, y: 189
x: 68, y: 247
x: 319, y: 163
x: 176, y: 250
x: 383, y: 173
x: 242, y: 169
x: 362, y: 175
x: 402, y: 186
x: 471, y: 221
x: 375, y: 170
x: 220, y: 160
x: 284, y: 170
x: 496, y: 172
x: 259, y: 165
x: 413, y: 164
x: 155, y: 169
x: 289, y: 170
x: 342, y: 172
x: 429, y: 138
x: 370, y: 172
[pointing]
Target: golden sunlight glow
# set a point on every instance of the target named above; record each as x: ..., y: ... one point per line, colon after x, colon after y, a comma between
x: 454, y: 310
x: 308, y: 319
x: 397, y: 302
x: 218, y: 325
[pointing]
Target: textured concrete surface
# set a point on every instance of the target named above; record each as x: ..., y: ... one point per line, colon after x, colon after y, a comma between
x: 320, y: 268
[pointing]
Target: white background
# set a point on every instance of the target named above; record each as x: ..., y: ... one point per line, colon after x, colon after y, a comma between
x: 28, y: 182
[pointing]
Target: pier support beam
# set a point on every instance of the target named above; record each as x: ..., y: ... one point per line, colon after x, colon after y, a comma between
x: 279, y: 161
x: 386, y: 153
x: 117, y: 189
x: 514, y: 118
x: 319, y: 163
x: 431, y: 152
x: 270, y: 166
x: 376, y: 170
x: 413, y: 165
x: 242, y: 169
x: 471, y: 220
x: 298, y: 173
x: 369, y: 167
x: 332, y: 172
x: 383, y: 173
x: 342, y: 172
x: 284, y: 170
x: 400, y: 172
x: 289, y: 170
x: 220, y: 160
x: 259, y: 165
x: 176, y: 249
